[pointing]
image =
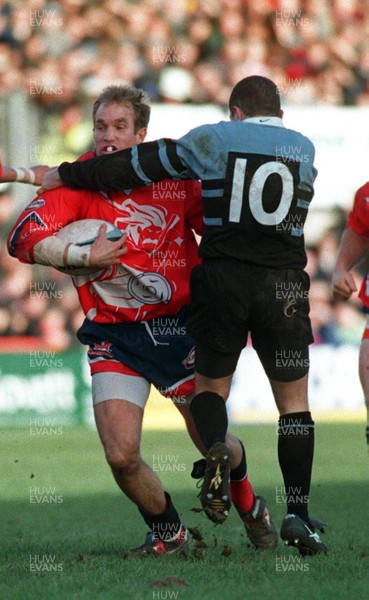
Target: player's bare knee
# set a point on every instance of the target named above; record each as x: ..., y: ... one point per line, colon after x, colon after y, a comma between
x: 291, y: 396
x: 125, y: 460
x: 219, y: 386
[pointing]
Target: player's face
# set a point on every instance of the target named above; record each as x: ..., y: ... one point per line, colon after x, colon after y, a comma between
x: 114, y: 128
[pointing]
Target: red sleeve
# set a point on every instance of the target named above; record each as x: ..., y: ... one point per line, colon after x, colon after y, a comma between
x: 44, y: 216
x: 193, y: 206
x: 358, y: 219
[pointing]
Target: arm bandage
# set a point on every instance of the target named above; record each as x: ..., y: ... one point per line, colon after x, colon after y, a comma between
x: 54, y: 252
x: 24, y: 175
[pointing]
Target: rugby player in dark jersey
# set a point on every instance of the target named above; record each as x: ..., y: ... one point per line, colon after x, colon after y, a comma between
x: 257, y: 179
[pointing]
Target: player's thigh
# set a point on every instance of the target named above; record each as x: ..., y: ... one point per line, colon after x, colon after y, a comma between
x: 280, y: 307
x: 291, y: 396
x: 280, y: 324
x: 119, y: 403
x: 215, y: 368
x: 218, y: 311
x: 119, y: 425
x: 287, y: 371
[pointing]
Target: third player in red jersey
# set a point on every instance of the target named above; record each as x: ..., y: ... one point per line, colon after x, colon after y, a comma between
x: 353, y: 247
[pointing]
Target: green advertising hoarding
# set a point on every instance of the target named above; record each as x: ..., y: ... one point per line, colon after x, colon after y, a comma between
x: 39, y: 385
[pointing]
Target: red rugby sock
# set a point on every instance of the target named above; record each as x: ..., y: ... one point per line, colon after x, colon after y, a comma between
x: 242, y: 494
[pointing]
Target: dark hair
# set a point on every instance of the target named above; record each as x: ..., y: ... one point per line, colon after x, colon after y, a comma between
x: 256, y: 95
x: 121, y: 94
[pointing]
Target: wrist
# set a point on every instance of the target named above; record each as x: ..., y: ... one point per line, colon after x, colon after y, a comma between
x: 77, y: 256
x: 24, y: 175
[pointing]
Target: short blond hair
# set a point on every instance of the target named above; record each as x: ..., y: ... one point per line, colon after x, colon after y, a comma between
x: 122, y: 94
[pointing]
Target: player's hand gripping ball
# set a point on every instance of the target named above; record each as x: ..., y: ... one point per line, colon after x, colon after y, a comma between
x: 84, y: 233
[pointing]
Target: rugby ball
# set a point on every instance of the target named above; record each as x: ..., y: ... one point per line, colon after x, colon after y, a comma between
x: 84, y: 233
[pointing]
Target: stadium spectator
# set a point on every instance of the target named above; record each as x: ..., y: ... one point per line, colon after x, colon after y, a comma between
x: 59, y: 50
x: 61, y: 54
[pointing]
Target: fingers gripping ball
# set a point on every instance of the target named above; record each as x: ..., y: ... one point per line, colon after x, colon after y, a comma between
x: 83, y: 234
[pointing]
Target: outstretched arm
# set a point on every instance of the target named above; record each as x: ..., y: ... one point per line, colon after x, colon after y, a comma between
x: 135, y: 167
x: 33, y: 175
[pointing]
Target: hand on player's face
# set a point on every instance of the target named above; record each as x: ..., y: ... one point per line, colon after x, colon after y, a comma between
x: 114, y: 128
x: 105, y: 253
x: 50, y: 180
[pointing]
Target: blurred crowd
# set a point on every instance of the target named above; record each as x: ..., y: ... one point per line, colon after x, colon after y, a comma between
x: 62, y: 52
x: 41, y: 304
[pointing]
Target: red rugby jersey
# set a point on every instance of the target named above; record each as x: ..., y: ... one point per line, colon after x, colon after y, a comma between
x: 153, y: 277
x: 358, y: 221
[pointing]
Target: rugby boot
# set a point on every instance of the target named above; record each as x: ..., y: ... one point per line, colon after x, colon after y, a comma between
x: 259, y: 526
x: 155, y: 547
x: 215, y: 494
x: 303, y: 536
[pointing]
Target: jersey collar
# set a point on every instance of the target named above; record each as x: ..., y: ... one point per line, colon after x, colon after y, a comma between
x: 273, y: 121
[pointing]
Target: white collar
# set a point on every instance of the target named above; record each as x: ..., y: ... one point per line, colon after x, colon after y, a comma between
x: 274, y: 121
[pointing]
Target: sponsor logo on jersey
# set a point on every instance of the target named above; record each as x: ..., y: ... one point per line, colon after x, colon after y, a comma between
x: 26, y: 234
x: 150, y: 288
x: 37, y: 203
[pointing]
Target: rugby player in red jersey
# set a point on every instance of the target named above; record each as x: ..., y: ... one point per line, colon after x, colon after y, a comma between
x: 135, y: 309
x: 353, y: 247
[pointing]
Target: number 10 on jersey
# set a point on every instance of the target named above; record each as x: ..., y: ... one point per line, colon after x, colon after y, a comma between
x: 270, y: 185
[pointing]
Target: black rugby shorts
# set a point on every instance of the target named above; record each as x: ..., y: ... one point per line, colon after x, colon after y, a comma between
x: 230, y: 299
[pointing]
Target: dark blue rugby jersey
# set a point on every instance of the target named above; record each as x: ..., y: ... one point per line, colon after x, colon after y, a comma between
x: 257, y: 179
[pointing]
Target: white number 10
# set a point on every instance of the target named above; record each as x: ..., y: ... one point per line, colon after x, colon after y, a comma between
x: 256, y: 192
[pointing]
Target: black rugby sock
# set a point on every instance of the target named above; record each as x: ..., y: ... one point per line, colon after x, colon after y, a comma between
x: 239, y: 472
x: 210, y: 417
x: 166, y: 525
x: 295, y: 454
